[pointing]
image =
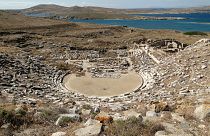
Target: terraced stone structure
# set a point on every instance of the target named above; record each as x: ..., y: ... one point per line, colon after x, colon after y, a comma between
x: 78, y: 78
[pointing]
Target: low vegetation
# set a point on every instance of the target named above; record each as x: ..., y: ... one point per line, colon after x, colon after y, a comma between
x: 65, y: 121
x: 196, y: 33
x: 133, y: 127
x: 47, y: 115
x: 15, y: 118
x: 63, y: 66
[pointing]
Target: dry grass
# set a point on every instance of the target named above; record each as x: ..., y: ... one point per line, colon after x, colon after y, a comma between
x: 133, y: 127
x: 14, y: 20
x: 7, y: 106
x: 15, y: 118
x: 63, y: 66
x: 9, y: 50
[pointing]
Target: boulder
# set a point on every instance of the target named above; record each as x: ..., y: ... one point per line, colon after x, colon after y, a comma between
x: 151, y: 114
x: 92, y: 128
x: 131, y: 113
x: 117, y: 116
x: 91, y: 122
x: 86, y: 112
x: 175, y: 130
x: 203, y: 67
x: 117, y: 107
x: 166, y: 115
x: 59, y: 134
x: 142, y: 109
x: 160, y: 133
x: 65, y: 118
x: 96, y: 109
x: 74, y: 110
x: 5, y: 126
x: 177, y: 117
x: 202, y: 111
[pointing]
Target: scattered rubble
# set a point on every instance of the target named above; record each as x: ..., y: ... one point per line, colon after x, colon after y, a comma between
x: 175, y: 75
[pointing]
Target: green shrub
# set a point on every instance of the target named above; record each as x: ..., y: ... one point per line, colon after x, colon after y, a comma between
x: 86, y: 106
x: 49, y: 115
x: 21, y: 112
x: 65, y: 120
x: 155, y: 128
x: 196, y: 33
x: 16, y: 119
x: 46, y: 112
x: 6, y: 116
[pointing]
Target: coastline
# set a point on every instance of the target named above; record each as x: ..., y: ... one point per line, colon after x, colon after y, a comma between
x: 119, y: 18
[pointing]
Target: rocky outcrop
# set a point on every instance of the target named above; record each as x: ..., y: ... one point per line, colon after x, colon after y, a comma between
x: 92, y: 128
x: 202, y: 111
x: 66, y: 118
x: 59, y: 134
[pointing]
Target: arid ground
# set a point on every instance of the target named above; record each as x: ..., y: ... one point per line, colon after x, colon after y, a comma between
x: 173, y: 100
x: 103, y: 86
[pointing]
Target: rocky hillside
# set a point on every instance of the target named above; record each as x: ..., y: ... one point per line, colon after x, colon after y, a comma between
x: 11, y: 20
x: 61, y: 12
x: 174, y: 100
x: 205, y: 9
x: 178, y: 103
x: 74, y: 12
x: 56, y: 11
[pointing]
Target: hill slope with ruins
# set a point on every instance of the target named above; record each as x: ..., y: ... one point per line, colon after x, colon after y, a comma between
x: 40, y: 58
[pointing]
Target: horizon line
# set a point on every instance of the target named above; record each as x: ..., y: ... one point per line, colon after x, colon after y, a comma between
x: 109, y: 7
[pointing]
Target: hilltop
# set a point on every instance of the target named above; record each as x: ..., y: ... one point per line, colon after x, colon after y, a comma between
x: 205, y: 9
x: 61, y: 9
x: 57, y: 9
x: 12, y: 20
x: 88, y: 12
x: 76, y: 12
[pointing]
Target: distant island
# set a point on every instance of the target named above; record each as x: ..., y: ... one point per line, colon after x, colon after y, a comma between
x: 76, y: 12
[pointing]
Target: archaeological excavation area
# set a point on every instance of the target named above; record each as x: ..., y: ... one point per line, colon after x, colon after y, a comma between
x: 81, y: 79
x: 116, y: 73
x: 103, y: 76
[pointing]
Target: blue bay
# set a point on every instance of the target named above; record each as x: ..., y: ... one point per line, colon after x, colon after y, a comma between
x: 195, y: 22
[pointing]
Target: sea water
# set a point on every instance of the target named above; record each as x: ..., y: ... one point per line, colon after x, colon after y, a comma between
x: 194, y: 22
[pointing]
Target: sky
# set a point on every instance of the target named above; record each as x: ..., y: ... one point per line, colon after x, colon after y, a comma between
x: 21, y: 4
